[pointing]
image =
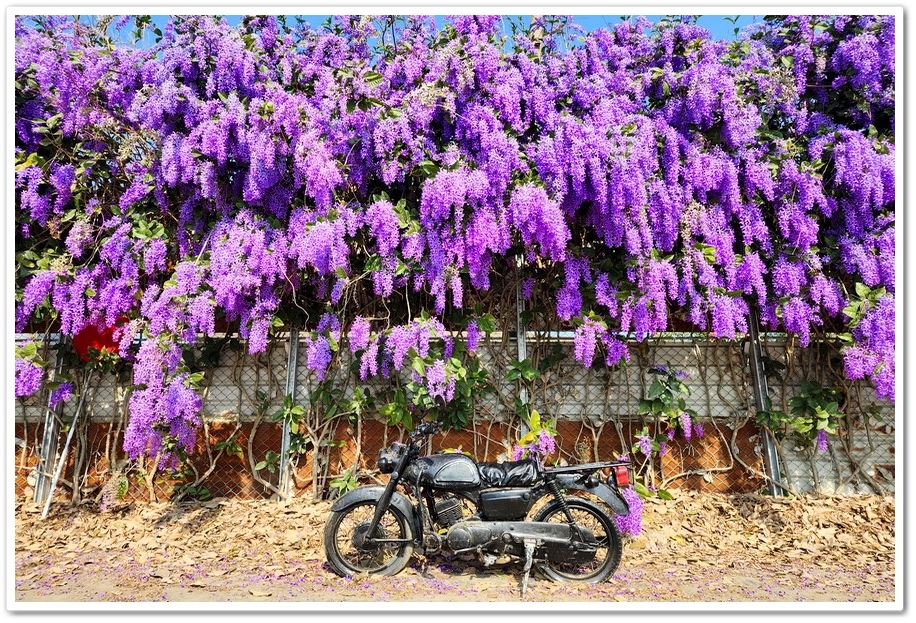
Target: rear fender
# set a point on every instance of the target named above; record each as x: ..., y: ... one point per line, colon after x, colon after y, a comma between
x: 373, y: 494
x: 609, y: 496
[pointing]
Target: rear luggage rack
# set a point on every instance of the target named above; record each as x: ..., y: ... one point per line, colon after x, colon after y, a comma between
x: 620, y: 471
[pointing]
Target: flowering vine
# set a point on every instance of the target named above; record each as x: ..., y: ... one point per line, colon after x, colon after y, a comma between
x: 540, y: 440
x: 336, y: 179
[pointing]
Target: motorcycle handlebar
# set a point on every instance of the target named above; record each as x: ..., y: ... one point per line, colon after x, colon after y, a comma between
x: 426, y: 428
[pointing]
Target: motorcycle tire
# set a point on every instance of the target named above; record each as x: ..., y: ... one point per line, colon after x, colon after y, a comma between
x: 591, y: 516
x: 347, y: 552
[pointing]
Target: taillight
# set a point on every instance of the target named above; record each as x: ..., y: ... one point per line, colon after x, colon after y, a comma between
x: 622, y: 475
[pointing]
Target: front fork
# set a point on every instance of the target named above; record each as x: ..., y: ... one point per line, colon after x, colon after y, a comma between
x: 384, y: 500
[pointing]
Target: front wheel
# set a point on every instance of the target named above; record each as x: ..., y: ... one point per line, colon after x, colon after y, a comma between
x: 600, y: 530
x: 350, y: 548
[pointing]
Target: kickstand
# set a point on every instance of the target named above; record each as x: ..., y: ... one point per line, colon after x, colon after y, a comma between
x: 529, y: 558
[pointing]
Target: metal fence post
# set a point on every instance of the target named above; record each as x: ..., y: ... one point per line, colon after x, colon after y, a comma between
x: 49, y: 443
x: 522, y: 344
x: 758, y: 378
x: 84, y: 391
x: 520, y: 338
x: 291, y: 371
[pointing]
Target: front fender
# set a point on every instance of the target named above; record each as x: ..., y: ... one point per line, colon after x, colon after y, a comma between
x: 609, y: 496
x: 373, y: 494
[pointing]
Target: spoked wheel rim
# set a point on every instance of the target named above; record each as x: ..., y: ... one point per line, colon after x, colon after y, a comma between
x: 359, y: 553
x: 600, y: 531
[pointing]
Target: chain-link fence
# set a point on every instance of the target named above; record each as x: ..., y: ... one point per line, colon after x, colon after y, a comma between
x: 861, y: 457
x: 332, y: 443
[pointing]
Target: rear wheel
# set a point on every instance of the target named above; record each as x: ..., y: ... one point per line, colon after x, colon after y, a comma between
x: 600, y: 531
x: 350, y: 550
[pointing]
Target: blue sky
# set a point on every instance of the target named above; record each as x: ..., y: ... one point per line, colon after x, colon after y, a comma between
x: 719, y: 26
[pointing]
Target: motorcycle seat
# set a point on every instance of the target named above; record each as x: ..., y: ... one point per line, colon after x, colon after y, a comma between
x: 522, y: 473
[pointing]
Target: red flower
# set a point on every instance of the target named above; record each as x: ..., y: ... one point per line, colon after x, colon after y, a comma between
x: 90, y: 342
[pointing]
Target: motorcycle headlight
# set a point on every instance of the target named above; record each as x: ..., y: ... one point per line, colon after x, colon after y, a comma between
x: 388, y: 458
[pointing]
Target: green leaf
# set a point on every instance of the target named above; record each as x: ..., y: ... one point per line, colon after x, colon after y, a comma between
x: 194, y: 379
x: 373, y: 79
x: 374, y: 263
x: 534, y: 420
x: 428, y: 167
x: 34, y: 160
x: 393, y: 413
x: 486, y: 323
x: 655, y: 390
x: 27, y: 351
x: 642, y: 490
x: 645, y: 406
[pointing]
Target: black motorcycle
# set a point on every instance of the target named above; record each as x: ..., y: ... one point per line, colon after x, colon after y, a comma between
x: 456, y: 505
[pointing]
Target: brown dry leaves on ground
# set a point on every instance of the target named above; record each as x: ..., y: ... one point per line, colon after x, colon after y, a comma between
x: 707, y: 548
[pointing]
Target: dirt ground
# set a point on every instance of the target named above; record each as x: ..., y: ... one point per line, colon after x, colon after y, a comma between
x: 735, y: 550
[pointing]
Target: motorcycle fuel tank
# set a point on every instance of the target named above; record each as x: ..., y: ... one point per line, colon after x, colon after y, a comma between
x: 446, y: 471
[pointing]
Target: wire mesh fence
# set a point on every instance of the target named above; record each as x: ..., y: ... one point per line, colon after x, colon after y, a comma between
x: 861, y: 458
x: 250, y: 401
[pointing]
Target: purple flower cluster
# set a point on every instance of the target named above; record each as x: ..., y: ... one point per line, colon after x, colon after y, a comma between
x: 645, y: 444
x: 586, y: 340
x: 318, y: 355
x: 160, y: 411
x: 473, y: 335
x: 439, y: 383
x: 543, y: 445
x: 821, y: 443
x: 686, y: 425
x: 62, y: 393
x: 631, y: 525
x: 360, y: 330
x: 29, y: 377
x: 415, y: 339
x: 873, y: 354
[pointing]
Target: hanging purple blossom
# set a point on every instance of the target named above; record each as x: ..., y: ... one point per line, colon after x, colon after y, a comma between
x: 473, y: 335
x: 631, y: 525
x: 821, y: 443
x: 318, y: 355
x: 438, y: 382
x: 62, y: 393
x: 645, y: 445
x: 359, y: 334
x: 686, y: 426
x: 29, y: 378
